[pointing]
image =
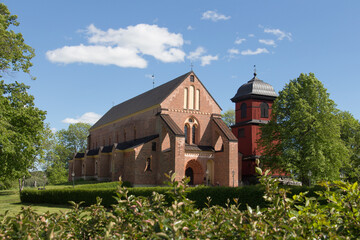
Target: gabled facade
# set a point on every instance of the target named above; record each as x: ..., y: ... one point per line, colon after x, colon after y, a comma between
x: 253, y: 106
x: 174, y: 127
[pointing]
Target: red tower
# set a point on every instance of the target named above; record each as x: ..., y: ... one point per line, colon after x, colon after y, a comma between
x: 253, y: 104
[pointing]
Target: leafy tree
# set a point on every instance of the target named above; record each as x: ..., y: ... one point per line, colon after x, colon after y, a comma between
x: 350, y: 134
x: 229, y: 117
x: 61, y: 147
x: 303, y: 135
x: 15, y: 55
x: 20, y: 121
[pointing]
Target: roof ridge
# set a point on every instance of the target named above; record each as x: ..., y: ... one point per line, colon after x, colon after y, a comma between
x: 140, y: 102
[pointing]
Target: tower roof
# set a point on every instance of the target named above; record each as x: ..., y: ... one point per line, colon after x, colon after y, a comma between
x: 255, y: 88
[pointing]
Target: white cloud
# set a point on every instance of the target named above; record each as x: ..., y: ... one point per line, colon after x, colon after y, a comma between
x: 89, y: 117
x: 190, y: 28
x: 251, y: 35
x: 233, y: 51
x: 280, y: 34
x: 214, y: 16
x: 123, y: 47
x: 269, y: 42
x: 256, y: 52
x: 198, y: 55
x: 240, y: 40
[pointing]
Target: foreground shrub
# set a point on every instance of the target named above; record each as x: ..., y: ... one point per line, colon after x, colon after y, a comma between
x: 298, y: 217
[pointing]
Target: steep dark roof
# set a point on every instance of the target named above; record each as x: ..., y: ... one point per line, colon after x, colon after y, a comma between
x: 79, y: 155
x: 136, y: 142
x: 229, y: 135
x: 255, y: 88
x: 197, y: 148
x: 107, y: 149
x: 172, y: 125
x: 93, y: 152
x: 147, y: 99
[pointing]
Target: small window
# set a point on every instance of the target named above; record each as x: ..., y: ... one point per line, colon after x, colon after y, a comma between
x: 191, y: 120
x: 243, y: 110
x: 241, y: 133
x: 153, y: 146
x: 264, y: 108
x: 192, y: 78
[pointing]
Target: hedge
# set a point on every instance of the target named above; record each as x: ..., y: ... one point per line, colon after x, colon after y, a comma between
x: 248, y: 195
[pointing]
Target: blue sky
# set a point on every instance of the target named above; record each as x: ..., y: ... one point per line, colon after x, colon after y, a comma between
x: 91, y: 55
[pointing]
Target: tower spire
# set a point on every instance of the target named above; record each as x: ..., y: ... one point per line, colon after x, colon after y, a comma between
x: 255, y: 71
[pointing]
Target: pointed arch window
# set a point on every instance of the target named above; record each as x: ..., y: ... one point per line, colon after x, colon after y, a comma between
x: 191, y: 97
x: 185, y: 98
x: 193, y: 134
x: 264, y: 108
x: 197, y: 100
x: 186, y: 132
x: 243, y: 110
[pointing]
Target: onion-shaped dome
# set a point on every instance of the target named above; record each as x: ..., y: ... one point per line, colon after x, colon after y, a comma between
x: 255, y: 88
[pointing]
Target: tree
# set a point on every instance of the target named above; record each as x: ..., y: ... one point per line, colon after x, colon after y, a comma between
x: 303, y: 135
x: 61, y: 148
x: 350, y: 134
x: 15, y: 55
x: 229, y: 117
x: 21, y: 123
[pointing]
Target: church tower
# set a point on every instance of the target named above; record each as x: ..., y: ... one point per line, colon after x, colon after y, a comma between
x: 253, y: 105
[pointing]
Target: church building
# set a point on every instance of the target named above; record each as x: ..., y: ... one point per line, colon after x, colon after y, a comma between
x: 174, y: 127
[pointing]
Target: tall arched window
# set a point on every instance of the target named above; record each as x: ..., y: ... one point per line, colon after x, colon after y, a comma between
x: 243, y: 110
x: 193, y: 134
x: 186, y: 132
x: 264, y: 108
x: 197, y: 100
x: 191, y: 97
x: 185, y: 98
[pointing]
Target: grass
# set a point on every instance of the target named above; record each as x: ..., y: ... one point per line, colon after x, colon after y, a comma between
x: 10, y: 200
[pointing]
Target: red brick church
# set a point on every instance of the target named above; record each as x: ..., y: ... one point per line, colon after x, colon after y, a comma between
x: 176, y: 127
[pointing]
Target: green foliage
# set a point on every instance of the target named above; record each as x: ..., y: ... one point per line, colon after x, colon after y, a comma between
x: 220, y: 196
x: 20, y: 125
x: 350, y: 134
x: 60, y: 148
x: 337, y: 216
x: 303, y: 136
x: 15, y: 55
x: 229, y: 117
x: 20, y: 121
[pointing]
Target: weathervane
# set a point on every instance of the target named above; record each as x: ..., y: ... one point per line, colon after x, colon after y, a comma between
x: 191, y: 66
x: 254, y: 70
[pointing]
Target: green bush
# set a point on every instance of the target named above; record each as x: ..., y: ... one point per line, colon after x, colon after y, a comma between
x: 202, y: 196
x: 284, y: 217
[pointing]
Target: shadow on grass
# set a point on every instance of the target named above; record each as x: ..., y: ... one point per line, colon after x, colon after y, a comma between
x: 8, y: 192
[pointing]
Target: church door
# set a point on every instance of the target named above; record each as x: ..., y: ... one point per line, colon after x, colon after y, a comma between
x: 190, y: 173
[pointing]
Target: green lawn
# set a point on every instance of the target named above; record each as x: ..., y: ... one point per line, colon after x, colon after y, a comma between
x: 10, y: 200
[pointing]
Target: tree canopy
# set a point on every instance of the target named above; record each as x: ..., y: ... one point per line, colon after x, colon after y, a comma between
x: 229, y: 117
x: 21, y: 123
x: 303, y: 135
x: 61, y: 147
x: 15, y: 55
x: 350, y: 134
